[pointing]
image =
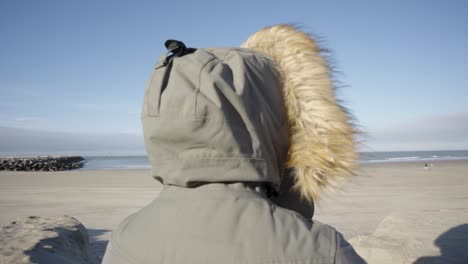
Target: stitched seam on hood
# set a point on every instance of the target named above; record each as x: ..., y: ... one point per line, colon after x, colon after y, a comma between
x: 199, y: 84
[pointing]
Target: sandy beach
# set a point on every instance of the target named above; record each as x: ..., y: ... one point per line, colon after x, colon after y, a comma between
x: 391, y: 213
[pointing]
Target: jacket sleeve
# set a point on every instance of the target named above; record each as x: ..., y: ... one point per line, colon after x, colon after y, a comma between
x: 345, y: 253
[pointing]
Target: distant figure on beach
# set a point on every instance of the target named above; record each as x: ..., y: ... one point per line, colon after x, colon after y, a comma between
x: 243, y: 140
x: 425, y: 166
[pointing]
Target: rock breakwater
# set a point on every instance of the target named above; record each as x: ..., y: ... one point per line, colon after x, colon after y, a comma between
x: 49, y: 163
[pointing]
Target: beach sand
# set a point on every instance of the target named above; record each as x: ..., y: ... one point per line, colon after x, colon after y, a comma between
x: 391, y: 213
x: 98, y: 199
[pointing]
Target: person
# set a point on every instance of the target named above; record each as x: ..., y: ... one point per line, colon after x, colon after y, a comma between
x: 243, y: 140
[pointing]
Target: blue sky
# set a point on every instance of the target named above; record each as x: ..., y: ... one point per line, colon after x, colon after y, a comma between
x: 81, y: 66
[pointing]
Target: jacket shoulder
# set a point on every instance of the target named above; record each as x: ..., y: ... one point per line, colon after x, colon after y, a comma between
x: 218, y: 227
x: 310, y: 240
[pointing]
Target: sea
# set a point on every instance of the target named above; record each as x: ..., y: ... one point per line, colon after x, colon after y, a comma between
x: 141, y: 162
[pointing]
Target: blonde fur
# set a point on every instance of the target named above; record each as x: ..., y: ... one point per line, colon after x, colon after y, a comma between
x: 322, y: 147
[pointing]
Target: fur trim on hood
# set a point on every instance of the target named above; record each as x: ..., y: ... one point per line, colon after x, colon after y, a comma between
x: 322, y: 147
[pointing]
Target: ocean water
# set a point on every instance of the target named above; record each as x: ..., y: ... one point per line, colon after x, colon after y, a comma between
x: 141, y: 162
x: 116, y: 163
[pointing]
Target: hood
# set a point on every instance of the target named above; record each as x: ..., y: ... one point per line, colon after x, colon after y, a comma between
x: 248, y: 115
x: 215, y: 115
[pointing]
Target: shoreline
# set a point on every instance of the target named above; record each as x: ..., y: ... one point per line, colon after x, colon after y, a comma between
x: 414, y: 162
x: 141, y: 162
x: 411, y: 163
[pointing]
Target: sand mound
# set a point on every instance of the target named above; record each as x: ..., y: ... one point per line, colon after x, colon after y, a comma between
x: 45, y: 240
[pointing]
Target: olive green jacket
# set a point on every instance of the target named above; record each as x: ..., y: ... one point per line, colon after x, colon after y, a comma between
x: 216, y: 135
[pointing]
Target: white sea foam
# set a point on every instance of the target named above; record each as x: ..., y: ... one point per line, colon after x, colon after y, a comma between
x: 403, y: 158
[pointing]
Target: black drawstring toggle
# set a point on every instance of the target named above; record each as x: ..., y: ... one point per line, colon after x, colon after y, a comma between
x: 177, y: 48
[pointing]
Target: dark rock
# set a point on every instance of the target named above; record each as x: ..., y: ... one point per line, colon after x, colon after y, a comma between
x: 42, y: 163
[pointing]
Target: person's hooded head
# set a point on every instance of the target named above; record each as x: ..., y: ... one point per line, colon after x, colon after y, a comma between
x: 249, y: 114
